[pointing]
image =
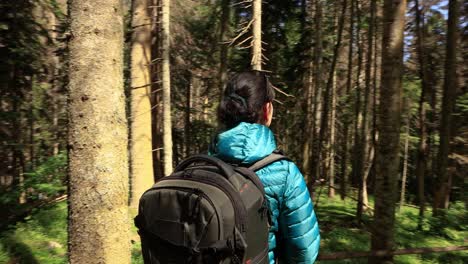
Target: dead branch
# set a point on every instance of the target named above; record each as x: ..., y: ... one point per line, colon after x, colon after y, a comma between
x: 279, y: 102
x: 281, y: 92
x: 243, y: 31
x: 241, y: 2
x: 245, y: 40
x: 146, y: 85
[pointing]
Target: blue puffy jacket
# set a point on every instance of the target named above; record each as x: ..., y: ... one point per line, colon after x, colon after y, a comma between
x: 295, y: 226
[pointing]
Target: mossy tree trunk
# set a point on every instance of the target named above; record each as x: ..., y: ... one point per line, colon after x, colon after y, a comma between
x: 98, y: 138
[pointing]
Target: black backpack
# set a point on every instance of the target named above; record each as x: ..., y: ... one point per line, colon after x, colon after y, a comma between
x: 207, y: 211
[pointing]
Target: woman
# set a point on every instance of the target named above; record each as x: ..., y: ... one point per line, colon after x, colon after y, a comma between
x: 246, y: 111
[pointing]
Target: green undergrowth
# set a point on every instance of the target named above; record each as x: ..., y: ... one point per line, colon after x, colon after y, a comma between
x: 42, y: 237
x: 341, y: 232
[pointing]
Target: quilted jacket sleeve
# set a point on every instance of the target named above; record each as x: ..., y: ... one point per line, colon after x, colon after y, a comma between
x: 299, y: 229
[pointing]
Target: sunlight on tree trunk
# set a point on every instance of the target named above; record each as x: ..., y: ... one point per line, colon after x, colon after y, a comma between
x: 141, y: 162
x: 257, y: 35
x: 166, y: 83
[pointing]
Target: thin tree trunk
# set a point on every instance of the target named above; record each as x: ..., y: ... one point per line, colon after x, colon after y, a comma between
x: 448, y: 103
x: 364, y: 142
x: 359, y: 157
x: 376, y: 82
x: 188, y: 110
x: 224, y: 30
x: 166, y: 86
x: 257, y: 35
x: 388, y: 160
x: 365, y: 198
x: 318, y: 104
x: 141, y: 162
x: 55, y: 122
x: 405, y: 165
x: 331, y: 167
x: 308, y: 87
x: 98, y: 138
x: 423, y: 150
x: 156, y: 90
x: 32, y: 155
x: 344, y: 154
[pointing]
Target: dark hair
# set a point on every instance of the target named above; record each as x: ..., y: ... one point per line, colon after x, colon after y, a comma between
x: 244, y: 97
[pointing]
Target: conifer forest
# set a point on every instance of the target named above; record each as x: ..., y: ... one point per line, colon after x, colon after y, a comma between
x: 101, y: 98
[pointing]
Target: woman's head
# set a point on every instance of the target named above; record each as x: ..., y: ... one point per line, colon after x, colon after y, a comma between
x: 247, y: 98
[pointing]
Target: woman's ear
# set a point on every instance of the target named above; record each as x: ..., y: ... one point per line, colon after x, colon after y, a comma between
x: 267, y: 113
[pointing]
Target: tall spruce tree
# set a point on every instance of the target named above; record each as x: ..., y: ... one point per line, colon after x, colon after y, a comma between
x: 388, y: 147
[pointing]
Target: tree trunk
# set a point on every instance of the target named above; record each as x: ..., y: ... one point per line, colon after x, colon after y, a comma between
x: 188, y: 110
x: 257, y: 35
x: 308, y: 87
x: 166, y: 86
x: 387, y: 163
x: 346, y: 122
x: 405, y: 164
x: 448, y: 103
x: 349, y: 78
x: 317, y: 88
x: 364, y: 142
x: 423, y: 150
x: 359, y: 155
x: 331, y: 167
x: 365, y: 198
x: 224, y: 30
x: 141, y: 163
x: 376, y: 82
x: 156, y: 91
x: 98, y: 138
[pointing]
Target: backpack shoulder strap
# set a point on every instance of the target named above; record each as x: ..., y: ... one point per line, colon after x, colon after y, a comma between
x: 273, y: 157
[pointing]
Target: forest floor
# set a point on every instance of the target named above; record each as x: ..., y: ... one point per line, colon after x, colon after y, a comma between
x: 42, y: 237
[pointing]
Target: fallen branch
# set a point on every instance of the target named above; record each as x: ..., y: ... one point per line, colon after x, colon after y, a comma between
x: 382, y: 253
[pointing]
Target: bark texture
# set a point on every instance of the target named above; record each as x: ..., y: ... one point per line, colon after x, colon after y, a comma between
x: 98, y: 138
x: 387, y: 159
x: 141, y: 161
x: 257, y: 35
